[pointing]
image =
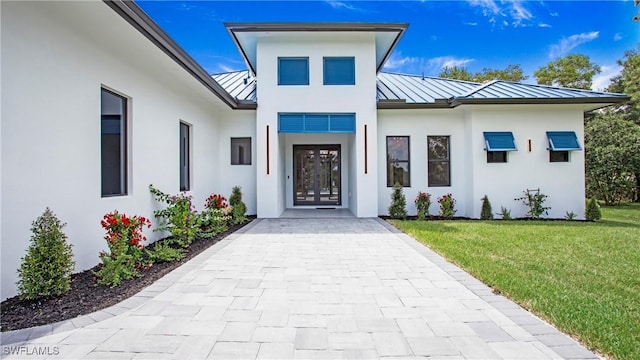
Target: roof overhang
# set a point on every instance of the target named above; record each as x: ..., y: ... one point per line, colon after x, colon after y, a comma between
x: 245, y: 36
x: 135, y: 16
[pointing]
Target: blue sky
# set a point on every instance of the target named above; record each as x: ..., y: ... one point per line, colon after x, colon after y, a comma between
x: 472, y: 33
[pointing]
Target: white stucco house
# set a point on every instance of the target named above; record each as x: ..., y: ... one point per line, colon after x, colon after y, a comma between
x: 98, y: 102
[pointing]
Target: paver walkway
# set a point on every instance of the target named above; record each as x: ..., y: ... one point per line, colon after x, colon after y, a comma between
x: 307, y: 289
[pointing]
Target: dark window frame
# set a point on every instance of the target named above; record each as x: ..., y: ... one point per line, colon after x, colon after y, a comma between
x: 240, y: 159
x: 559, y: 156
x: 185, y: 156
x: 433, y: 161
x: 407, y: 161
x: 352, y: 78
x: 285, y: 58
x: 123, y: 145
x: 497, y: 157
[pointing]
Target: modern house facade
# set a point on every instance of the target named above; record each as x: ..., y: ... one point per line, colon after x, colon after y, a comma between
x: 98, y: 103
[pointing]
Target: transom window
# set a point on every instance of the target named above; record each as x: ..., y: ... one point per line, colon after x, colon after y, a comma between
x: 293, y: 71
x: 398, y: 161
x: 339, y: 71
x: 439, y: 163
x: 558, y: 156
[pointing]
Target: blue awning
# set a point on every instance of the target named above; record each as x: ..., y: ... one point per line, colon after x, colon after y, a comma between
x: 499, y: 141
x: 563, y: 141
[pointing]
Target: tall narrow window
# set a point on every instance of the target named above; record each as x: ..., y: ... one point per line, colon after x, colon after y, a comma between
x: 339, y: 71
x: 293, y: 71
x: 439, y: 163
x: 113, y: 143
x: 398, y: 161
x: 241, y: 151
x: 185, y: 161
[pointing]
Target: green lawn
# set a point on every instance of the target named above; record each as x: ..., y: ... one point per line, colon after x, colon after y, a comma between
x: 583, y: 277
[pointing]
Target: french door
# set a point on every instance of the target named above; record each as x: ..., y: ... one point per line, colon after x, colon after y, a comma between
x: 316, y: 179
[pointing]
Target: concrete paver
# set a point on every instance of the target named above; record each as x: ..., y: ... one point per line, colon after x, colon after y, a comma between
x: 292, y: 288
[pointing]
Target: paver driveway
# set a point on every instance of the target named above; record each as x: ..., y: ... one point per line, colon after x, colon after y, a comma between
x: 308, y: 289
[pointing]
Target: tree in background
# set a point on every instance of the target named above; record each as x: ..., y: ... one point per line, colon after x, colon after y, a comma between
x: 510, y: 73
x: 572, y: 71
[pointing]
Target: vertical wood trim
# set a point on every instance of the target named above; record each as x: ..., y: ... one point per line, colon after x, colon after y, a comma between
x: 268, y: 150
x: 366, y: 167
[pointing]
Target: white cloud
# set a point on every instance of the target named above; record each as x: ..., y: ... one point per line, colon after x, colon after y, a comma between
x: 397, y: 62
x: 506, y: 12
x: 419, y: 65
x: 543, y: 25
x: 565, y: 45
x: 489, y: 7
x: 448, y: 61
x: 617, y: 37
x: 603, y: 80
x: 471, y: 23
x: 340, y: 5
x: 519, y: 13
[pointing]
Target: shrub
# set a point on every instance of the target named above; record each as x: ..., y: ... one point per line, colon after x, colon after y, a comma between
x: 534, y: 200
x: 486, y: 213
x: 124, y: 238
x: 215, y: 217
x: 423, y: 202
x: 179, y: 217
x: 46, y: 268
x: 447, y: 206
x: 398, y: 207
x: 505, y: 213
x: 163, y: 252
x: 569, y: 216
x: 238, y: 207
x: 593, y: 212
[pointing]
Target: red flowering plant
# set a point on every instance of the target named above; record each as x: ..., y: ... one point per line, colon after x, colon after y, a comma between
x: 423, y: 202
x: 447, y: 206
x: 216, y: 215
x: 124, y: 238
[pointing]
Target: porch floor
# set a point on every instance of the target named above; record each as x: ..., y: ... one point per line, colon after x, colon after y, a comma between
x: 316, y: 214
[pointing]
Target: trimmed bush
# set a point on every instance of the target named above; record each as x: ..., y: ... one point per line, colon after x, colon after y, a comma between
x: 398, y: 207
x: 593, y: 212
x: 486, y: 213
x: 238, y: 207
x: 46, y: 269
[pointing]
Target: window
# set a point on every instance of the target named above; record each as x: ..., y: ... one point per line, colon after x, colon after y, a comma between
x: 438, y: 159
x: 339, y: 71
x: 293, y: 71
x: 496, y: 156
x: 185, y: 160
x: 113, y: 143
x: 398, y: 160
x: 498, y: 143
x: 241, y: 151
x: 558, y: 156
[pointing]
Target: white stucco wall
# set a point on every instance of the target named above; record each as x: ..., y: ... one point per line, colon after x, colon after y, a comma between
x: 315, y: 97
x: 55, y: 58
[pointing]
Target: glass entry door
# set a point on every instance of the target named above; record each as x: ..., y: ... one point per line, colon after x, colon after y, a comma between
x: 316, y: 179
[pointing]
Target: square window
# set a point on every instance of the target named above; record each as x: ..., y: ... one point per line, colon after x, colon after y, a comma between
x: 558, y: 156
x: 293, y: 71
x: 398, y: 170
x: 113, y: 143
x: 439, y: 173
x: 241, y: 151
x: 339, y: 71
x: 496, y: 156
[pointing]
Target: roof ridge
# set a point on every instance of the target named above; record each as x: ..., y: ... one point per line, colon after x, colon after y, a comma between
x: 429, y: 77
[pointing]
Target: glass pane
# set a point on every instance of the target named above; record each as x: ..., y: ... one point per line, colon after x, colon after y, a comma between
x: 398, y: 172
x: 439, y: 173
x: 329, y: 176
x: 305, y: 175
x: 184, y: 157
x: 398, y: 148
x: 339, y: 71
x: 438, y: 147
x: 113, y: 143
x: 293, y: 71
x: 240, y: 151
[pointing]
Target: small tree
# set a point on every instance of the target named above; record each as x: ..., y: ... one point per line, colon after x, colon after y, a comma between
x: 398, y: 207
x: 238, y: 207
x: 593, y: 212
x: 46, y: 269
x: 486, y: 213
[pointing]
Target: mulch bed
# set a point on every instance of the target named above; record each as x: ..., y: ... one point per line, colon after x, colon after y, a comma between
x: 86, y: 296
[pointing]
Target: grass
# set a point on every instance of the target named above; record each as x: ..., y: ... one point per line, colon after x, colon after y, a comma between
x: 583, y: 277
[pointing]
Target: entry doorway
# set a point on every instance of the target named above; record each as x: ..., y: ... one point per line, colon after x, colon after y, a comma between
x: 317, y: 176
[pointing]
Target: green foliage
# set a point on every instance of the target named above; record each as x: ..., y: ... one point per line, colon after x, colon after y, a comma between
x: 423, y: 202
x: 593, y: 212
x: 447, y: 206
x: 398, y: 207
x: 510, y: 73
x: 163, y: 252
x: 124, y: 238
x: 45, y: 270
x: 570, y: 215
x: 486, y: 213
x: 505, y: 213
x: 612, y: 157
x: 572, y: 71
x: 238, y: 207
x: 179, y: 217
x: 213, y: 221
x: 534, y: 200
